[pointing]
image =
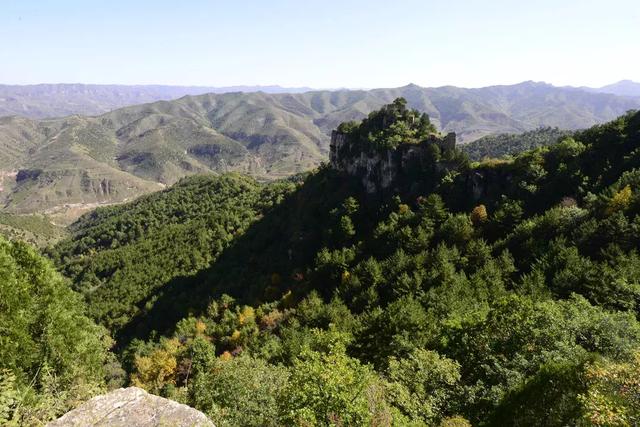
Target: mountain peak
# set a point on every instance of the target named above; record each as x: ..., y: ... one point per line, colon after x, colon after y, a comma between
x: 411, y: 86
x: 622, y: 88
x: 533, y: 83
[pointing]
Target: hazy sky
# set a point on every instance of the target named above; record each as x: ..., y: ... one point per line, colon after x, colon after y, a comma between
x: 320, y: 44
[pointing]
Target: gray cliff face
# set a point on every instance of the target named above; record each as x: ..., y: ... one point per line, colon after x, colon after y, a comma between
x: 378, y: 170
x: 132, y: 406
x: 488, y: 183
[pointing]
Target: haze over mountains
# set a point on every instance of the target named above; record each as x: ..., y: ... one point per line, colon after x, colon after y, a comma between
x: 78, y: 161
x: 621, y: 88
x: 57, y: 100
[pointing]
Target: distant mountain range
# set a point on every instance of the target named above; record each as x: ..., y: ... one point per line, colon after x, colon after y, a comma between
x: 68, y: 164
x: 58, y: 100
x: 621, y: 88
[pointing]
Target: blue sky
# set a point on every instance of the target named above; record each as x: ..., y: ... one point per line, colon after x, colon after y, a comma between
x: 323, y: 44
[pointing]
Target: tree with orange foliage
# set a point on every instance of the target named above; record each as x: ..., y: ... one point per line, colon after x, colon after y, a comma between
x: 158, y: 369
x: 479, y: 215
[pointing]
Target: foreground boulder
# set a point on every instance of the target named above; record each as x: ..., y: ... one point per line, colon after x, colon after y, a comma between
x: 132, y: 407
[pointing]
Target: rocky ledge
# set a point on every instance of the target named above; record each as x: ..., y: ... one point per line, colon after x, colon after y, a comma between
x: 132, y: 407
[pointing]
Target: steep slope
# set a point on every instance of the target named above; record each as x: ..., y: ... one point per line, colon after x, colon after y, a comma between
x: 135, y: 249
x: 133, y: 151
x: 35, y: 229
x: 495, y: 146
x: 78, y: 160
x: 51, y: 354
x: 504, y: 292
x: 54, y: 166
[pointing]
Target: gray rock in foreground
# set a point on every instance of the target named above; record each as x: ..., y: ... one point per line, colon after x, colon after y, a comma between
x: 132, y: 407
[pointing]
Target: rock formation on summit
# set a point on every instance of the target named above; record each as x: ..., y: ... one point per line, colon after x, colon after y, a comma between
x: 389, y: 145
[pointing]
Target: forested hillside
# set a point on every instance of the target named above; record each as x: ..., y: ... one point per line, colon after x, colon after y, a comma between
x: 52, y: 356
x: 498, y: 293
x: 61, y: 166
x: 119, y: 256
x: 37, y: 230
x: 507, y: 144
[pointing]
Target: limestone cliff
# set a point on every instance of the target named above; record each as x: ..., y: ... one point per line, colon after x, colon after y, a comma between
x: 378, y: 170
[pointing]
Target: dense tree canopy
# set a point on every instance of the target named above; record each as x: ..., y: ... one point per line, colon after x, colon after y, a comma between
x: 392, y: 125
x: 119, y: 256
x: 51, y: 355
x: 510, y: 144
x: 506, y: 294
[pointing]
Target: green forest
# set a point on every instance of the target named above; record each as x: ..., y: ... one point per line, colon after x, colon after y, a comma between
x: 509, y: 144
x: 490, y: 293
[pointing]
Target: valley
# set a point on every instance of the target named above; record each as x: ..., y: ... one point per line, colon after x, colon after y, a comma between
x: 471, y: 273
x: 398, y: 265
x: 120, y: 155
x: 319, y: 214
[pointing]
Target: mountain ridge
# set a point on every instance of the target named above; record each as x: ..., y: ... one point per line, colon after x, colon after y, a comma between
x: 51, y: 100
x: 524, y: 268
x: 135, y: 150
x: 96, y: 99
x: 625, y: 87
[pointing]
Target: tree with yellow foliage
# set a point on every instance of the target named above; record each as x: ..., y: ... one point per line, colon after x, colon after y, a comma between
x: 620, y: 200
x: 158, y: 369
x: 479, y: 215
x: 246, y: 314
x: 613, y: 393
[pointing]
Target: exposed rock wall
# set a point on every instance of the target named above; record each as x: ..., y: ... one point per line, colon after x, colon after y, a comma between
x: 378, y: 170
x: 488, y: 183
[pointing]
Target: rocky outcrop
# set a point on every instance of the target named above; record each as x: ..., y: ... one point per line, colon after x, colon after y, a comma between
x: 132, y: 406
x: 379, y: 169
x: 487, y: 182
